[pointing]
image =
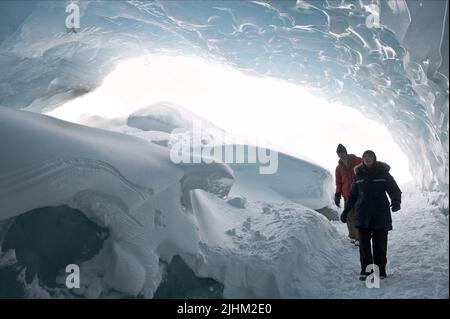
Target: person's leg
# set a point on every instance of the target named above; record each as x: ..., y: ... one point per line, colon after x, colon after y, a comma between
x: 380, y: 240
x: 352, y: 230
x: 365, y: 249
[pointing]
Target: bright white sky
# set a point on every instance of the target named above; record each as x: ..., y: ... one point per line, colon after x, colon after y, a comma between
x: 285, y: 114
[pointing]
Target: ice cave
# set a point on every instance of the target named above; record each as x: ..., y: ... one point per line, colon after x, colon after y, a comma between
x: 96, y: 95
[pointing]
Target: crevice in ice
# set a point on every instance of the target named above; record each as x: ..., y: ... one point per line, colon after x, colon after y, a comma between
x: 46, y: 240
x: 180, y: 282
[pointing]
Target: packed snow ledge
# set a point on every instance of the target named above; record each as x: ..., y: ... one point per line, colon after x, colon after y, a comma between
x: 257, y: 236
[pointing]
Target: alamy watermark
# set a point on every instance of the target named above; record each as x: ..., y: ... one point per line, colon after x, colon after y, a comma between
x: 211, y: 145
x: 73, y: 19
x: 73, y: 277
x: 374, y: 17
x: 373, y: 279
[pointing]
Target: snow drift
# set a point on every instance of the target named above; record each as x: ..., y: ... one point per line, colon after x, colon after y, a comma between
x: 129, y: 186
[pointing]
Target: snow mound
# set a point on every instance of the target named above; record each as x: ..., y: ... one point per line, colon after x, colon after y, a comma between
x: 295, y: 179
x: 267, y: 250
x: 131, y: 186
x: 112, y: 178
x: 50, y: 161
x: 164, y: 117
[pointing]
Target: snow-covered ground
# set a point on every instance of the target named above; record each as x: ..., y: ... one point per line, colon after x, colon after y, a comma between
x: 417, y: 253
x: 257, y: 235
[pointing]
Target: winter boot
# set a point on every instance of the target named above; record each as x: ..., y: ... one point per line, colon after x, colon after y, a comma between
x: 363, y: 275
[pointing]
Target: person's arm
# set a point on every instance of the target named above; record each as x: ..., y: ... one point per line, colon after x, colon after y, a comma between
x: 353, y: 196
x: 338, y: 194
x: 394, y: 192
x: 350, y: 203
x: 338, y: 181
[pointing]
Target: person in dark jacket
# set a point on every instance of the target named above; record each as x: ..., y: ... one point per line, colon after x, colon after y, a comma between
x: 372, y: 211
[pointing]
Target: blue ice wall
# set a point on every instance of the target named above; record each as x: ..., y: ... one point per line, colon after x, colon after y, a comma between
x: 389, y: 59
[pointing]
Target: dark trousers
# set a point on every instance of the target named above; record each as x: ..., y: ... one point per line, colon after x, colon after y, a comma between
x: 379, y: 244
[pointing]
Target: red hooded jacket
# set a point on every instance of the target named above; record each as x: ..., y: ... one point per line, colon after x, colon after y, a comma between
x: 345, y: 174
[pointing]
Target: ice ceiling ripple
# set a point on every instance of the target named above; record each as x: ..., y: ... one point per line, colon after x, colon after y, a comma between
x: 395, y: 73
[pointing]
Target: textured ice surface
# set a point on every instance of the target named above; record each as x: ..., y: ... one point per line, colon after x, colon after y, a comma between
x: 395, y: 72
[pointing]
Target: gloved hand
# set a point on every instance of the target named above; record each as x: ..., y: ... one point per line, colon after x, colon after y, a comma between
x: 337, y: 199
x: 395, y: 206
x: 344, y: 216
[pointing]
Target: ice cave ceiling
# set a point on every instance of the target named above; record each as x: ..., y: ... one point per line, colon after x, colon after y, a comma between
x: 394, y: 71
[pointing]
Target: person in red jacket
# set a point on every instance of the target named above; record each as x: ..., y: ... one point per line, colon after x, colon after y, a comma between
x: 344, y: 178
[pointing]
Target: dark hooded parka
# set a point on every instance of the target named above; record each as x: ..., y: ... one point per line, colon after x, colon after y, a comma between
x: 368, y: 196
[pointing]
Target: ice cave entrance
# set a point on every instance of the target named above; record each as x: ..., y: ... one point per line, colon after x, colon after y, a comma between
x: 295, y: 119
